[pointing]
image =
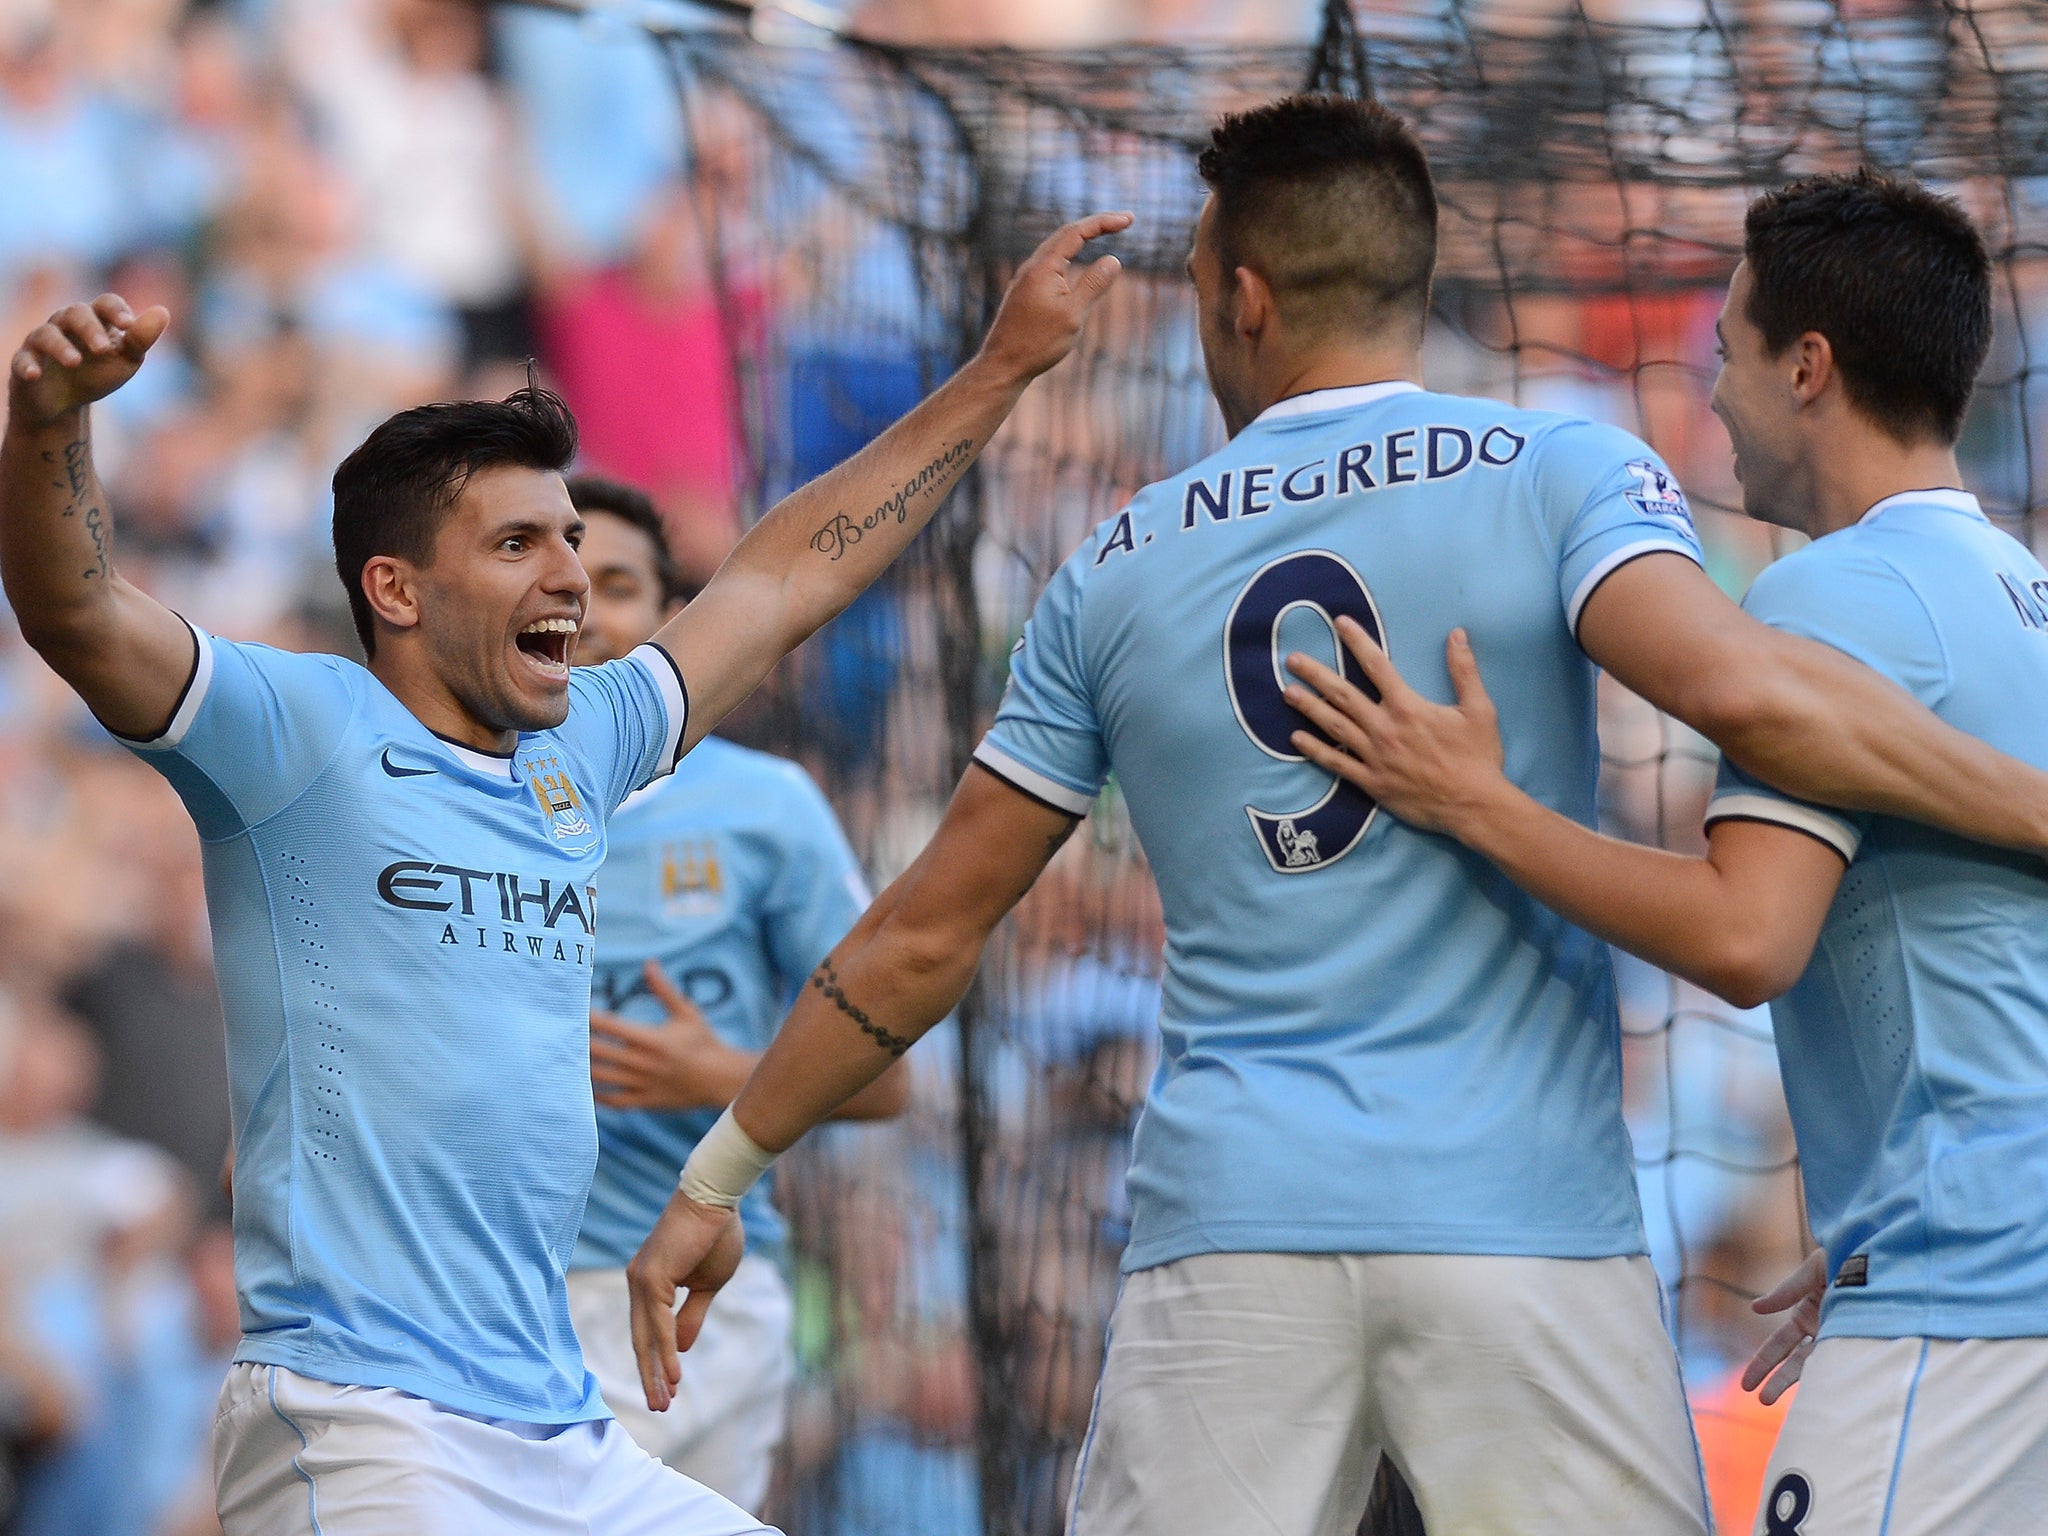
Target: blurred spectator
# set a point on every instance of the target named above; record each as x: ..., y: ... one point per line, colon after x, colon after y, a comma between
x: 86, y: 1220
x: 643, y: 354
x: 421, y: 137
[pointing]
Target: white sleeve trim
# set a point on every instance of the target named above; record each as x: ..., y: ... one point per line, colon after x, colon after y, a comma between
x: 668, y: 680
x: 1745, y: 805
x: 1030, y: 780
x: 173, y: 735
x: 1612, y: 563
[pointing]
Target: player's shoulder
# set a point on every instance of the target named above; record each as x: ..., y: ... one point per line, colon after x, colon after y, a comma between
x: 1860, y: 559
x: 735, y: 784
x: 303, y: 677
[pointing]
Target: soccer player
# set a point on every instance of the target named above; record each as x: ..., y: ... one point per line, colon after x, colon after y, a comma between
x: 399, y: 862
x: 723, y: 886
x: 1383, y: 1199
x: 1913, y: 965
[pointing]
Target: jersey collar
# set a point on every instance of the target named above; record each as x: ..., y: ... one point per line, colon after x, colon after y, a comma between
x: 1343, y: 398
x: 1953, y: 500
x: 492, y: 765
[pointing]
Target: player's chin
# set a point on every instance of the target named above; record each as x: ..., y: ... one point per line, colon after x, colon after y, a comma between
x: 538, y: 698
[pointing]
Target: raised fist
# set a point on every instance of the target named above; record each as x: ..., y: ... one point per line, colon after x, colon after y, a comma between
x: 82, y: 353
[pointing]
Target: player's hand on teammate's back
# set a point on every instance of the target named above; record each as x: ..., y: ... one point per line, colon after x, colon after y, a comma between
x: 1430, y: 764
x: 1049, y: 298
x: 680, y: 1063
x: 82, y: 353
x: 1779, y: 1359
x: 694, y: 1248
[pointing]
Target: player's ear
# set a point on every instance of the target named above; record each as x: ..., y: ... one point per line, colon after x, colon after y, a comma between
x: 1812, y: 359
x: 1254, y: 305
x: 390, y: 586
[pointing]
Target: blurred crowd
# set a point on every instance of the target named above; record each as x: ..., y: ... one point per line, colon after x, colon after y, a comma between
x: 353, y: 206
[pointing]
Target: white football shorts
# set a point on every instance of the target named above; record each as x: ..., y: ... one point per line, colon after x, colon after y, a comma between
x: 1518, y: 1396
x: 297, y: 1457
x: 732, y: 1404
x: 1913, y: 1437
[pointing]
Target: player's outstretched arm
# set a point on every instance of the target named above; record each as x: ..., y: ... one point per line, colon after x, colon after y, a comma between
x: 821, y: 545
x: 1741, y: 922
x: 128, y: 656
x: 902, y: 968
x: 1802, y: 716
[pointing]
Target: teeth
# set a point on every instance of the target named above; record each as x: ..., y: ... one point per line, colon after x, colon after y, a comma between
x: 550, y: 627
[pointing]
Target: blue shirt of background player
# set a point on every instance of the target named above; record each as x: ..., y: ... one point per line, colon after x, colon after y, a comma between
x: 1371, y: 1042
x: 735, y: 876
x: 403, y: 935
x: 1915, y: 1047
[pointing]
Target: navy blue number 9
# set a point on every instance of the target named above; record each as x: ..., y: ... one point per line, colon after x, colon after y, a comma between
x: 1296, y: 842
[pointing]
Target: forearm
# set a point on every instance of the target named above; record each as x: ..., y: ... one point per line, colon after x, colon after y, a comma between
x: 56, y: 533
x: 1817, y: 725
x: 868, y: 1003
x: 1677, y: 913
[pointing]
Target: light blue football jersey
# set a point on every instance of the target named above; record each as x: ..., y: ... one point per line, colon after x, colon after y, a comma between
x: 1371, y: 1042
x: 404, y: 932
x: 734, y: 875
x: 1915, y: 1047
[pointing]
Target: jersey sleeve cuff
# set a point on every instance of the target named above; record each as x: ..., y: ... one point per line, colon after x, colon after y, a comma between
x: 1745, y: 805
x: 186, y: 711
x: 675, y: 699
x: 1033, y: 783
x: 1609, y: 564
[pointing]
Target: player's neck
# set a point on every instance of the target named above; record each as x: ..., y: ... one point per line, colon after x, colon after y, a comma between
x: 428, y: 698
x: 1855, y: 473
x: 1341, y: 365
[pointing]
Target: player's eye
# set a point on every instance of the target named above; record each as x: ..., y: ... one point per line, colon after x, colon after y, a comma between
x: 514, y: 545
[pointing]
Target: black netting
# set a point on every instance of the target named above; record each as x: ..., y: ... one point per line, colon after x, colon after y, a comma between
x: 864, y: 205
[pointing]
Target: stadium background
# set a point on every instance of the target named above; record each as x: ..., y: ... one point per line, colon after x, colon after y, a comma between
x: 739, y: 252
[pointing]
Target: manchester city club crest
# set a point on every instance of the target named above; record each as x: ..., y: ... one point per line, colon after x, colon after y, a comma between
x: 692, y: 883
x: 568, y: 821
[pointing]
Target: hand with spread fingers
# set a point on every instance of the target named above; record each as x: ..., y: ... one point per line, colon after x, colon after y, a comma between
x: 1048, y: 300
x: 1436, y: 766
x: 680, y: 1063
x: 1779, y: 1359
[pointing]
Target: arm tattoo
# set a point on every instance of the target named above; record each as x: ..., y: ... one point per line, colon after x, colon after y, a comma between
x: 826, y: 980
x: 77, y: 485
x: 842, y: 532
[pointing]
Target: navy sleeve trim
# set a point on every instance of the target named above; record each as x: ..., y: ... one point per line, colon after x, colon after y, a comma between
x: 190, y: 697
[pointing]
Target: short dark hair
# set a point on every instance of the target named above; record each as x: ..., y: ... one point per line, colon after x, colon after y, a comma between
x: 595, y: 493
x: 393, y: 493
x: 1331, y: 201
x: 1895, y: 276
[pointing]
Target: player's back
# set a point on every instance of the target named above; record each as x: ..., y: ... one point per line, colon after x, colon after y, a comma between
x: 1915, y: 1047
x: 1371, y: 1042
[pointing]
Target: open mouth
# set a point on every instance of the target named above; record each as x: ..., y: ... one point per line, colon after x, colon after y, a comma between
x: 547, y: 643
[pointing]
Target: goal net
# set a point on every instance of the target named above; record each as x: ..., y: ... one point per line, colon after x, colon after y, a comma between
x: 863, y: 205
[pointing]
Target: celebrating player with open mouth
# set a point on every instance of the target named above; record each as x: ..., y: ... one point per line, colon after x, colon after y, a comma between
x: 399, y: 862
x: 1913, y: 1026
x: 1382, y: 1196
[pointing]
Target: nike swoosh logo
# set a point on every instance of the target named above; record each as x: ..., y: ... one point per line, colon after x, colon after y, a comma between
x: 403, y: 773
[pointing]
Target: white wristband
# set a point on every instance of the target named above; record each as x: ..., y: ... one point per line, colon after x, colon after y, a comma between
x: 725, y: 1165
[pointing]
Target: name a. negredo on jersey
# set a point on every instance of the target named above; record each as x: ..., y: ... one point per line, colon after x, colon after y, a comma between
x: 1404, y: 457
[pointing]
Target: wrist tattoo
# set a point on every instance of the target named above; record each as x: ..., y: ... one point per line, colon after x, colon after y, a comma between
x: 826, y: 980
